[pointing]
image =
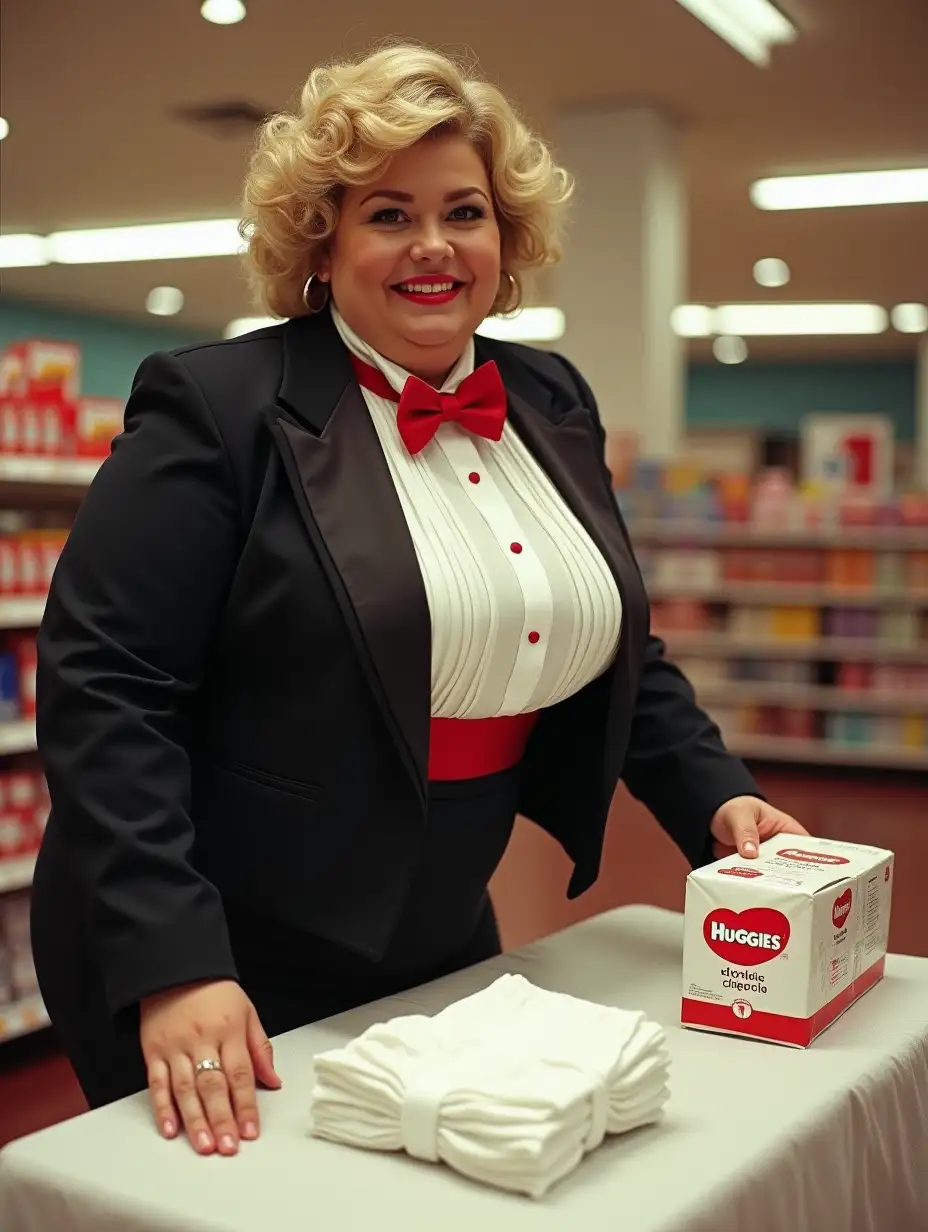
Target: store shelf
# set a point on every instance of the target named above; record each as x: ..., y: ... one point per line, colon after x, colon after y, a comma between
x: 16, y: 874
x: 826, y: 649
x: 824, y: 753
x: 786, y: 594
x: 17, y: 737
x: 22, y: 1017
x: 809, y: 697
x: 21, y: 613
x: 55, y: 472
x: 684, y: 534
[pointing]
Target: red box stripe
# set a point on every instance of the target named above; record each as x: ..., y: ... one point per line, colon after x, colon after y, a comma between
x: 780, y: 1028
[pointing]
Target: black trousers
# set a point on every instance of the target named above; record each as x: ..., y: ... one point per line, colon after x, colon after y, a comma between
x: 291, y: 977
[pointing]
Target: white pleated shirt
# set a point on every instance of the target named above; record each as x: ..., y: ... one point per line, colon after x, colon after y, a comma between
x: 524, y: 609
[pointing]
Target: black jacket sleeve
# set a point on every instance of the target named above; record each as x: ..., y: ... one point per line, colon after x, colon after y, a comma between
x: 676, y: 763
x: 134, y: 602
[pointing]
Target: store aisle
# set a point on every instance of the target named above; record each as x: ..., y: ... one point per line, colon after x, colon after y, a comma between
x: 37, y: 1087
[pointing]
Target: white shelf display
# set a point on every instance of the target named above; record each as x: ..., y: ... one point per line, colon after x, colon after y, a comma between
x: 49, y: 472
x: 805, y: 645
x: 16, y: 873
x: 17, y: 736
x: 53, y: 441
x: 18, y: 613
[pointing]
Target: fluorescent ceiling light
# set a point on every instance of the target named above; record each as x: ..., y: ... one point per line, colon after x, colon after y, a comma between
x: 771, y: 272
x: 223, y: 12
x: 4, y: 128
x: 778, y: 320
x: 910, y: 318
x: 22, y: 251
x: 244, y: 325
x: 843, y: 188
x: 526, y: 325
x: 752, y: 27
x: 164, y: 301
x: 211, y: 237
x: 693, y: 321
x: 215, y: 237
x: 729, y: 349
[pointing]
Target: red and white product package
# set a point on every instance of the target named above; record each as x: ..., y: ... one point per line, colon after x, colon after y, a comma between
x: 779, y: 947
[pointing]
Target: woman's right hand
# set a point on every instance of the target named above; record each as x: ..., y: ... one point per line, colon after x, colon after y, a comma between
x: 212, y: 1021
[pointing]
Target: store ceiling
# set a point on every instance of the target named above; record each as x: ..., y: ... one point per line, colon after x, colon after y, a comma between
x: 93, y: 91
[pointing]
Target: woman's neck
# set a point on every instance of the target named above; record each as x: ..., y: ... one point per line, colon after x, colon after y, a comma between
x: 434, y: 373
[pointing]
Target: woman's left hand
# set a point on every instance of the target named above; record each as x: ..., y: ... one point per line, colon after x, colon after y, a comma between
x: 742, y: 823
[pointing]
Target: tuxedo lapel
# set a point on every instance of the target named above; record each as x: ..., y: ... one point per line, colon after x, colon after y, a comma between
x: 342, y: 483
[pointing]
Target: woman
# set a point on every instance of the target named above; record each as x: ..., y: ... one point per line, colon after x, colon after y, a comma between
x: 350, y: 592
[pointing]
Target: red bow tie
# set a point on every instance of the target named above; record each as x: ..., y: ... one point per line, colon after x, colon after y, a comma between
x: 479, y: 405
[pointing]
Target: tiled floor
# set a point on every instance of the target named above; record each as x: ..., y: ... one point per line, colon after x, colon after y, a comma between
x: 37, y: 1087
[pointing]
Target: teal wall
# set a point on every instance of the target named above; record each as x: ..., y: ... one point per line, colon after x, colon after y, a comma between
x: 770, y: 396
x: 111, y: 349
x: 777, y: 396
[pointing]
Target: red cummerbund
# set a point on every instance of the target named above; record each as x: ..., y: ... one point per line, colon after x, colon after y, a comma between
x: 472, y: 748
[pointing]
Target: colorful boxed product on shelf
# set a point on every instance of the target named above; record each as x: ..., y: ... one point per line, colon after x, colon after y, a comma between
x: 27, y: 562
x: 42, y: 410
x: 23, y: 813
x: 17, y: 969
x: 913, y: 509
x: 9, y: 687
x: 99, y: 422
x: 39, y: 388
x: 772, y: 499
x: 898, y: 680
x: 680, y: 616
x: 18, y: 661
x: 915, y: 573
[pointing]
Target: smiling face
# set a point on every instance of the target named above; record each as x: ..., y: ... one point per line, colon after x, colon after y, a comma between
x: 414, y: 263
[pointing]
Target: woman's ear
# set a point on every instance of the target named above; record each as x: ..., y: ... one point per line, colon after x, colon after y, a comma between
x: 324, y: 267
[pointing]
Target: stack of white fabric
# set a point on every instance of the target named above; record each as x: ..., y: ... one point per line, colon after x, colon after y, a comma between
x: 511, y: 1086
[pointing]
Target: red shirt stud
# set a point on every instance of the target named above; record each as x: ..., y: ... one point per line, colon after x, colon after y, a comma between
x: 515, y: 547
x: 474, y: 477
x: 533, y: 637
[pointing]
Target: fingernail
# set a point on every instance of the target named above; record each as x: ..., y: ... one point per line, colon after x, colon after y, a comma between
x: 227, y: 1144
x: 204, y: 1142
x: 250, y: 1130
x: 169, y: 1129
x: 749, y: 849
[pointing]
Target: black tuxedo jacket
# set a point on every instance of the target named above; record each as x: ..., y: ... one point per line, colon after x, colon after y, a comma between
x: 234, y: 665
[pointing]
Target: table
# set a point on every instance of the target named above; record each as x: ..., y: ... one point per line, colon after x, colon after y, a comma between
x: 757, y: 1138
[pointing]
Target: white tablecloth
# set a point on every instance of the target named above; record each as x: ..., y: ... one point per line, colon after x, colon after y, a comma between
x: 757, y: 1137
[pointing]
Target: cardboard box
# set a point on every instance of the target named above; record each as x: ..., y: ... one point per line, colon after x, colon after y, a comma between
x: 779, y: 947
x: 42, y: 369
x: 39, y: 387
x: 99, y: 422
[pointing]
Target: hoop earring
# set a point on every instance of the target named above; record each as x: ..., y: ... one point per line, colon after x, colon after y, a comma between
x: 513, y: 292
x: 307, y: 288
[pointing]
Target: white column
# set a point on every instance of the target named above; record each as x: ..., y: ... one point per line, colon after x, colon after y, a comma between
x: 921, y: 414
x: 624, y: 269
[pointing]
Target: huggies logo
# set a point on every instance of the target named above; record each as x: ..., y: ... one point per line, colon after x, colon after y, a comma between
x: 841, y: 908
x: 811, y: 857
x: 746, y: 938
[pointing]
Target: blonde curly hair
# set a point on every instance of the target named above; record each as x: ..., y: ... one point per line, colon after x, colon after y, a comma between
x: 353, y: 116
